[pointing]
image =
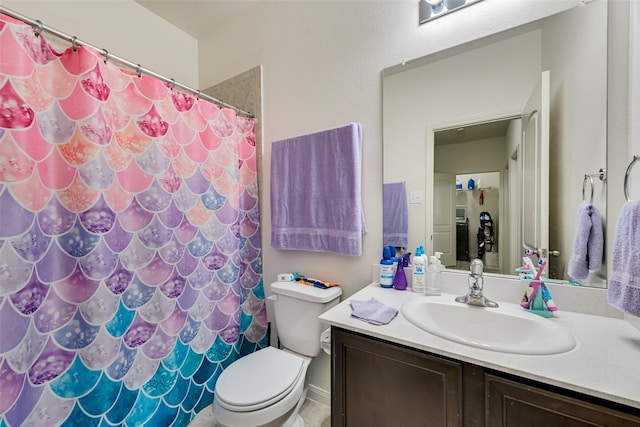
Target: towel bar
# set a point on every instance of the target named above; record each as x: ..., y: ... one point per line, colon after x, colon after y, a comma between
x: 626, y: 177
x: 602, y: 175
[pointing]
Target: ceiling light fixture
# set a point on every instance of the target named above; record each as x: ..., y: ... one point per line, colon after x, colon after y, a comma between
x: 432, y: 9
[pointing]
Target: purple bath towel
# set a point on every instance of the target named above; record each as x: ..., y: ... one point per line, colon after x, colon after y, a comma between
x: 316, y: 201
x: 588, y: 242
x: 372, y: 311
x: 395, y: 215
x: 624, y: 282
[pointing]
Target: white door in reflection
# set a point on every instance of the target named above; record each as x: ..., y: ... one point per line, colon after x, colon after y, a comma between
x: 444, y: 220
x: 535, y: 170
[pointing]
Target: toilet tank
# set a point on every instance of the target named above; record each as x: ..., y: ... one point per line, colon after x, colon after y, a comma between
x: 297, y: 307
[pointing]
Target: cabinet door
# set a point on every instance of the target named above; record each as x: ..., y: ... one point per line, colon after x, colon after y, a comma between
x: 375, y: 383
x: 511, y: 404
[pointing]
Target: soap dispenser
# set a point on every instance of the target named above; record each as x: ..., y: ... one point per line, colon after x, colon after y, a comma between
x: 432, y: 286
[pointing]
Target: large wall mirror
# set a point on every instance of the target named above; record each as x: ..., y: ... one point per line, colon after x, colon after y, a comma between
x: 500, y: 140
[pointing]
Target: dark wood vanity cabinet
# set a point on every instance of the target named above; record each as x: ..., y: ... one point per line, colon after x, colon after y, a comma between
x: 376, y: 383
x: 511, y: 403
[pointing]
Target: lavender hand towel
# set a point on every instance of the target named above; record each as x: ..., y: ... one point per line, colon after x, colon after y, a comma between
x: 395, y: 215
x: 588, y: 242
x: 595, y: 244
x: 316, y: 202
x: 372, y: 311
x: 624, y: 282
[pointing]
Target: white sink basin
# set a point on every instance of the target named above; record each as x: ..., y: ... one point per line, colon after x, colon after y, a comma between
x: 507, y: 329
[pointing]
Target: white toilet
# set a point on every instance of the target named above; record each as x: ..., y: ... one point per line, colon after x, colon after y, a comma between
x: 266, y: 388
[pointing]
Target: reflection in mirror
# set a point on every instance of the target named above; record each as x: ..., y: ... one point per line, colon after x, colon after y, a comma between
x: 437, y: 115
x: 481, y: 224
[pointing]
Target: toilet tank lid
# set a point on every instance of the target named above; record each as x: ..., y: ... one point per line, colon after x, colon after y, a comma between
x: 306, y: 292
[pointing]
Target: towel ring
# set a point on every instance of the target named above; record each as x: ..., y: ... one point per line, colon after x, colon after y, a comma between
x: 584, y: 187
x: 626, y: 177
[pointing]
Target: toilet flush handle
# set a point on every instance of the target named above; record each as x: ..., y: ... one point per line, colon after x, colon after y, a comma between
x: 273, y: 297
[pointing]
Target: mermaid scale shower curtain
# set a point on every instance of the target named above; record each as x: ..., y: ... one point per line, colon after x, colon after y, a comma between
x: 130, y: 265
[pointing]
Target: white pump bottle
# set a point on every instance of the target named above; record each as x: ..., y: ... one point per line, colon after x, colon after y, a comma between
x: 419, y: 270
x: 432, y: 287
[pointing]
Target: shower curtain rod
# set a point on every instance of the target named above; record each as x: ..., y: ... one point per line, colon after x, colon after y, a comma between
x: 39, y: 28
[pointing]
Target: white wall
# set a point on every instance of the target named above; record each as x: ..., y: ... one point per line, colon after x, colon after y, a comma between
x: 322, y: 63
x: 124, y: 28
x: 577, y: 146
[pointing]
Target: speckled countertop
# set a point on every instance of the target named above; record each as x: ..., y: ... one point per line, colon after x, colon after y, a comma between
x: 605, y: 362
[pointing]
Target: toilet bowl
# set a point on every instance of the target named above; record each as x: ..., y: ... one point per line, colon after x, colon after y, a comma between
x: 267, y: 388
x: 264, y: 388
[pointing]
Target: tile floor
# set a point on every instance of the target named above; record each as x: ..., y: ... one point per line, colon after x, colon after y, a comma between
x: 313, y: 413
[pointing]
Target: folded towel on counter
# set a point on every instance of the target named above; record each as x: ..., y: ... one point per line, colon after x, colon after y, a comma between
x: 316, y: 200
x: 588, y: 242
x: 624, y: 283
x: 395, y: 215
x: 373, y: 311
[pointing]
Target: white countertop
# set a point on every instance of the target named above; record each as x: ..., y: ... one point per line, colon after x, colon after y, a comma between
x: 605, y: 362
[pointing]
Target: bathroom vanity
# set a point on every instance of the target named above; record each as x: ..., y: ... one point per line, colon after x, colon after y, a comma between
x: 399, y: 375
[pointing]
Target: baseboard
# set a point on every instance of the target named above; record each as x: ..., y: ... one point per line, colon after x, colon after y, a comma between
x: 318, y: 394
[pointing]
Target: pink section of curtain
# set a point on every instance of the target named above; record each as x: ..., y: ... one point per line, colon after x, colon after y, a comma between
x: 129, y: 241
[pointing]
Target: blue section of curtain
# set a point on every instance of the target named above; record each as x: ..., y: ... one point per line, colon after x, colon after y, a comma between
x: 129, y: 240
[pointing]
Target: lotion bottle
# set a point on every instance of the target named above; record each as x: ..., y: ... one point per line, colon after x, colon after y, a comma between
x: 386, y: 269
x: 432, y: 286
x: 418, y: 270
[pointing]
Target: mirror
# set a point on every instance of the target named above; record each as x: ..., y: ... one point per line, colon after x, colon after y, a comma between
x: 457, y: 117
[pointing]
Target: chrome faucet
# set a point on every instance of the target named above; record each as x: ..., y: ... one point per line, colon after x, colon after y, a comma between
x: 475, y: 296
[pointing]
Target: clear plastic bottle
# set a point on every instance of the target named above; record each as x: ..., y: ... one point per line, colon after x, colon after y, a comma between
x: 432, y: 287
x: 418, y: 270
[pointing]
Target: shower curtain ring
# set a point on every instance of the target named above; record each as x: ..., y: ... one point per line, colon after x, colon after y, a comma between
x: 74, y: 43
x: 39, y: 29
x: 139, y: 71
x: 198, y: 95
x: 105, y: 53
x: 172, y: 86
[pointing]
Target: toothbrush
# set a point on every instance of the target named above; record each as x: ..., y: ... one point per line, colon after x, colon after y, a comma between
x: 542, y: 265
x: 312, y: 282
x: 529, y: 263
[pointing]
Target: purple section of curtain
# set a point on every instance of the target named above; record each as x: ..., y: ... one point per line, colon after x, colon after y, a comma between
x: 129, y: 238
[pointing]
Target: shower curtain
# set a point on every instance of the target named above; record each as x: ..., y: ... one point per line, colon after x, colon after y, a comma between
x: 130, y: 263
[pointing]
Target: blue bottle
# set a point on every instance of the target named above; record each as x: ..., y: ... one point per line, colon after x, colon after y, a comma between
x: 386, y: 269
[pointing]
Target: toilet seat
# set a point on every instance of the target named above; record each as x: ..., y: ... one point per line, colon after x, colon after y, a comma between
x: 258, y: 380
